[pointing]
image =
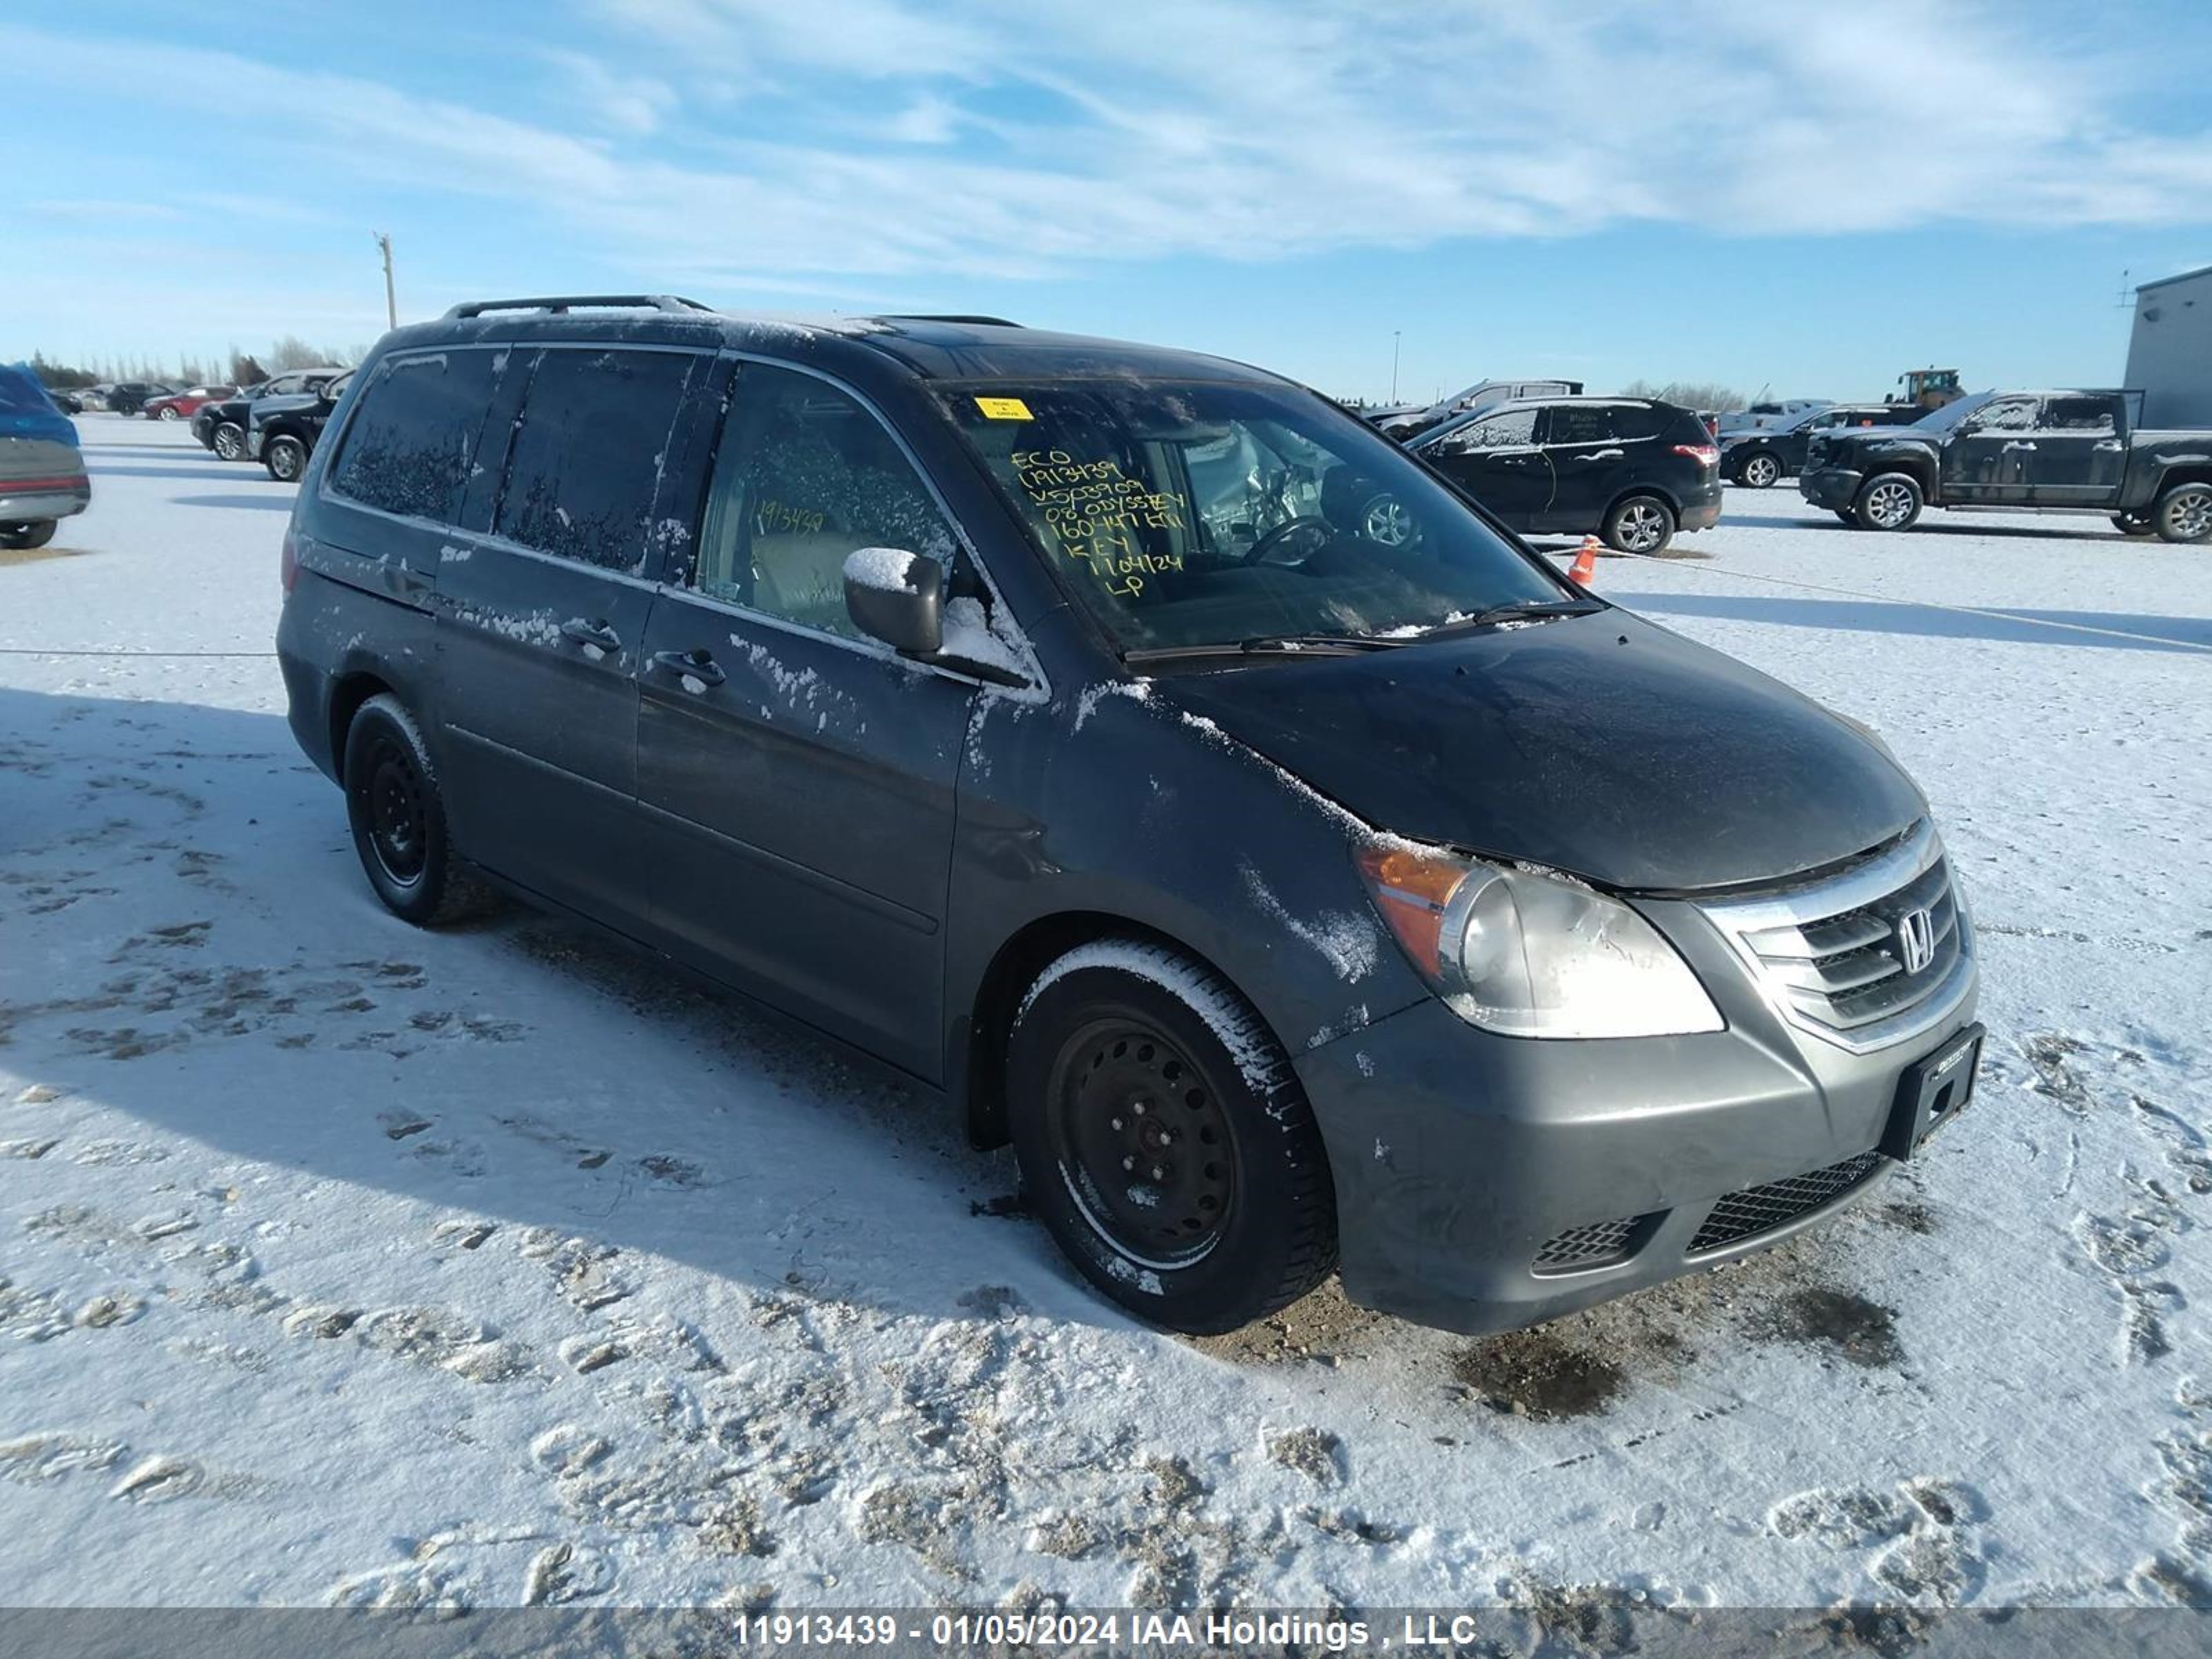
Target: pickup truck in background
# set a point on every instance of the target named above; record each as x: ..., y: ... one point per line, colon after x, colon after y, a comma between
x: 1762, y: 456
x: 2045, y: 452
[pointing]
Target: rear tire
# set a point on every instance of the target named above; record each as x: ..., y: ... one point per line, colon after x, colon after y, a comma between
x: 2135, y: 524
x: 1164, y: 1141
x: 2184, y: 513
x: 37, y: 533
x: 169, y: 413
x: 285, y: 458
x: 398, y: 818
x: 1848, y: 518
x: 1888, y: 500
x: 1638, y: 523
x: 1760, y: 471
x: 229, y: 442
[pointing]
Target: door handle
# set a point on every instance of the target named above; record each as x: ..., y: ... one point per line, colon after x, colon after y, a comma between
x: 2112, y: 443
x: 594, y: 632
x: 690, y: 664
x: 2016, y: 445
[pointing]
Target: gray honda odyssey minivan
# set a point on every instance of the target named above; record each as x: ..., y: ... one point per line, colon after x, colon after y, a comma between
x: 1038, y: 715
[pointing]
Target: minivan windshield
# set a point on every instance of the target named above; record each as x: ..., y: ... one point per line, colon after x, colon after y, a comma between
x: 1209, y: 513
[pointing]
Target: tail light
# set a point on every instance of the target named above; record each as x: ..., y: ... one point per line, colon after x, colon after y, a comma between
x: 1703, y: 455
x: 288, y: 561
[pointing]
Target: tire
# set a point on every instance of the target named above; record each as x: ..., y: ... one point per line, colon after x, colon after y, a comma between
x: 2135, y: 524
x: 169, y: 413
x: 1384, y: 521
x: 1850, y: 519
x: 1759, y: 471
x: 398, y: 820
x: 1638, y: 523
x: 1126, y: 1051
x: 285, y: 458
x: 36, y: 533
x: 229, y: 442
x: 2184, y: 513
x: 1888, y: 500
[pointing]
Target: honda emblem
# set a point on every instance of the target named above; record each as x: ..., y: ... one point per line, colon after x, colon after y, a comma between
x: 1916, y: 939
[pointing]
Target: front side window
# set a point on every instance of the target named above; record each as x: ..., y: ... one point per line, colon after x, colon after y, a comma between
x: 584, y: 470
x: 1194, y: 513
x: 2005, y: 414
x: 1511, y: 429
x: 805, y: 477
x: 412, y: 439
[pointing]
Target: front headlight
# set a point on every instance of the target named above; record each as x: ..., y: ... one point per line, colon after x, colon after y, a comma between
x: 1533, y: 956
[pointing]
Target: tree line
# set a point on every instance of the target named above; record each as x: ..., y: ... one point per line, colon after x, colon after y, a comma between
x: 237, y: 367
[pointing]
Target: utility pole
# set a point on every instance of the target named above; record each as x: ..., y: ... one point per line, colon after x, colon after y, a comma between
x: 390, y: 295
x: 1393, y: 365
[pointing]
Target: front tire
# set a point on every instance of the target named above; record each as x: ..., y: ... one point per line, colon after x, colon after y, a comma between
x: 286, y: 459
x: 2185, y: 513
x: 1888, y: 500
x: 1760, y: 472
x: 17, y: 537
x: 229, y: 442
x: 398, y: 818
x: 1164, y: 1141
x: 1640, y: 524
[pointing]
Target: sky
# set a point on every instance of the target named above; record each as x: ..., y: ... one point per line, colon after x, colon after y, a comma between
x: 1803, y: 199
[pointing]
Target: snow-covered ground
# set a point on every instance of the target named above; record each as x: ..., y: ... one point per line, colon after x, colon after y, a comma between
x: 340, y: 1261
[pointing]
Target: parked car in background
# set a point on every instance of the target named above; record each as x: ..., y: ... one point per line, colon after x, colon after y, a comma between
x: 182, y: 406
x: 70, y: 403
x: 129, y: 396
x: 93, y: 398
x: 1042, y: 717
x: 281, y: 431
x: 2050, y: 451
x: 42, y: 476
x: 1631, y: 470
x: 222, y: 426
x: 1758, y: 416
x: 1483, y: 394
x: 1763, y: 457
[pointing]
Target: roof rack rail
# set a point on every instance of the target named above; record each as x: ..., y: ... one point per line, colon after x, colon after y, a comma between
x: 947, y: 317
x: 557, y: 303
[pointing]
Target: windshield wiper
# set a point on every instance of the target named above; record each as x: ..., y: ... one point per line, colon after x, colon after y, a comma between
x: 1518, y: 611
x: 1268, y: 645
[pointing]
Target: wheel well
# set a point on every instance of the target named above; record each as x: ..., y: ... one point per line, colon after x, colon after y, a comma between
x: 1921, y: 472
x: 1658, y: 492
x: 2173, y: 477
x: 1011, y: 972
x: 346, y: 698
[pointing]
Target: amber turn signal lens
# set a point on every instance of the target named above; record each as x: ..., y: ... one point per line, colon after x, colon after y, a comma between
x: 1412, y: 887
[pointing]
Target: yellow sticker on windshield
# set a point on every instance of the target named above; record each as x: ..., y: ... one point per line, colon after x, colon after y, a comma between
x: 1004, y: 409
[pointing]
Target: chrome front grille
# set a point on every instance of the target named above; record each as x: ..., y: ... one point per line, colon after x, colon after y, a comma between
x: 1837, y: 956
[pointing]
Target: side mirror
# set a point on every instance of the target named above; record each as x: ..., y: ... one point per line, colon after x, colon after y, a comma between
x: 898, y: 597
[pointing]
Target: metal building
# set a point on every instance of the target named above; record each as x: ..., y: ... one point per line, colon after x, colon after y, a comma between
x: 2170, y: 354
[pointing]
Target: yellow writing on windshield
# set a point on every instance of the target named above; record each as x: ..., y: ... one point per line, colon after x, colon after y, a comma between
x: 1096, y: 512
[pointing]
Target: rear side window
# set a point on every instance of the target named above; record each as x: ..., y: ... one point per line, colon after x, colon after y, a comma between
x: 1579, y: 423
x: 1504, y: 430
x: 2077, y: 414
x: 585, y: 466
x: 413, y: 437
x: 1629, y: 420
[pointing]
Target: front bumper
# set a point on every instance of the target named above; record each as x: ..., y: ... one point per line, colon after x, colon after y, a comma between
x: 1833, y: 487
x: 1462, y: 1160
x: 42, y: 500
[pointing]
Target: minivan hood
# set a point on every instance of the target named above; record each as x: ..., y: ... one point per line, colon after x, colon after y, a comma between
x: 1603, y: 745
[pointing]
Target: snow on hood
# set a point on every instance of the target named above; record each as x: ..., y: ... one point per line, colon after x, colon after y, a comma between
x: 1601, y: 745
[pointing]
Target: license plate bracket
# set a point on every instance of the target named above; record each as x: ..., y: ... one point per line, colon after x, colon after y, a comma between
x: 1934, y: 1090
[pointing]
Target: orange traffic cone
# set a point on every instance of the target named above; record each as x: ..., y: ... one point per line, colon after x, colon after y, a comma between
x: 1585, y: 565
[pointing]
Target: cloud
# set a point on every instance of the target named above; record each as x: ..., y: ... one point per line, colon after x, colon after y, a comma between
x: 739, y: 142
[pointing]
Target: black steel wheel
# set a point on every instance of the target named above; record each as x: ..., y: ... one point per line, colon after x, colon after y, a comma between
x: 397, y: 820
x: 1164, y: 1141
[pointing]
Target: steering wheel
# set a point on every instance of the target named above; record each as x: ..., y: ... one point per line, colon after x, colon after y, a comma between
x: 1316, y: 532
